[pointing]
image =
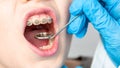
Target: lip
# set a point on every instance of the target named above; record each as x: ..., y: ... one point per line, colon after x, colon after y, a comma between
x: 50, y: 12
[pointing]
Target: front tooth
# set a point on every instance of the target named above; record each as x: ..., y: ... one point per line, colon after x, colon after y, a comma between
x: 36, y: 22
x: 44, y: 21
x: 46, y: 47
x: 49, y: 20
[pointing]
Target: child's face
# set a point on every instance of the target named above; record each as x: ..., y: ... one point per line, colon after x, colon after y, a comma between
x: 18, y: 46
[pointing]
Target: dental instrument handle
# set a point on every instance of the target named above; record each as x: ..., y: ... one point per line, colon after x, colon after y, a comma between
x: 51, y: 37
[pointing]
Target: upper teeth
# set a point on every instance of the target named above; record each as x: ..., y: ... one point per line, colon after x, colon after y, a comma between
x: 37, y: 20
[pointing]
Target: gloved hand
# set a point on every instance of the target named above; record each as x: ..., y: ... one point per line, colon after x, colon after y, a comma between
x: 104, y: 19
x: 81, y: 24
x: 64, y: 66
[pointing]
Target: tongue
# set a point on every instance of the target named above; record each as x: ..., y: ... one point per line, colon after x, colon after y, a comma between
x: 38, y: 43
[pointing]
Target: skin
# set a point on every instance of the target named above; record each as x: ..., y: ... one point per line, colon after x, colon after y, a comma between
x: 14, y: 48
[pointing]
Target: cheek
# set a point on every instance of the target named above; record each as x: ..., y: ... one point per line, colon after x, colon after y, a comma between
x: 63, y: 6
x: 6, y: 15
x: 6, y: 10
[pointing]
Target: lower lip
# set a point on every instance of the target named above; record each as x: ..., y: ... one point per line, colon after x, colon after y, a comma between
x: 48, y: 52
x: 54, y: 48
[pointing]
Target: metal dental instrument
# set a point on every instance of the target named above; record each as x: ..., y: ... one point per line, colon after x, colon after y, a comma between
x: 54, y: 35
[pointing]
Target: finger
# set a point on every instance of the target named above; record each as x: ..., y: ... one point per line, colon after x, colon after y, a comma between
x: 113, y: 7
x: 79, y: 67
x: 82, y: 33
x: 64, y: 66
x: 98, y: 16
x: 78, y: 27
x: 106, y: 25
x: 75, y: 7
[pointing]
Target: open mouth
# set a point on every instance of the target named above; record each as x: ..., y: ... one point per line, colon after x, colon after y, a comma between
x: 41, y: 23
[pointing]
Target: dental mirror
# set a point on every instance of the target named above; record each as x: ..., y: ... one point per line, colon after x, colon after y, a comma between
x: 54, y: 35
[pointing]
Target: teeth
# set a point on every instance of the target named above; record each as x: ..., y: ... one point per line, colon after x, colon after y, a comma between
x: 37, y: 20
x: 49, y: 20
x: 29, y: 23
x: 42, y: 34
x: 44, y: 21
x: 47, y: 47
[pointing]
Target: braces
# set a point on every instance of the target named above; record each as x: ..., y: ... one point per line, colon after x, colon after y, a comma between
x: 36, y: 22
x: 29, y: 23
x: 39, y: 21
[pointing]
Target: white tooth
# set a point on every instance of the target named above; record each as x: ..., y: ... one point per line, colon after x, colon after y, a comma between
x: 49, y: 20
x: 48, y: 47
x: 41, y: 34
x: 41, y: 47
x: 44, y: 47
x: 44, y: 21
x: 40, y: 21
x: 36, y: 22
x: 44, y: 34
x: 29, y: 23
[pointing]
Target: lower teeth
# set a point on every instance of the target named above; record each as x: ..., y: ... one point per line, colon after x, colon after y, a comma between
x: 44, y: 34
x: 48, y: 46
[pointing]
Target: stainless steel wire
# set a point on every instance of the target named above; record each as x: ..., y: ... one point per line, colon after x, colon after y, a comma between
x: 54, y: 35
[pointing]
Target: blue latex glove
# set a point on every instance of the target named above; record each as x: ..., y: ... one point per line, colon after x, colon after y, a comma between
x: 81, y: 24
x: 104, y: 19
x: 79, y: 67
x: 64, y: 66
